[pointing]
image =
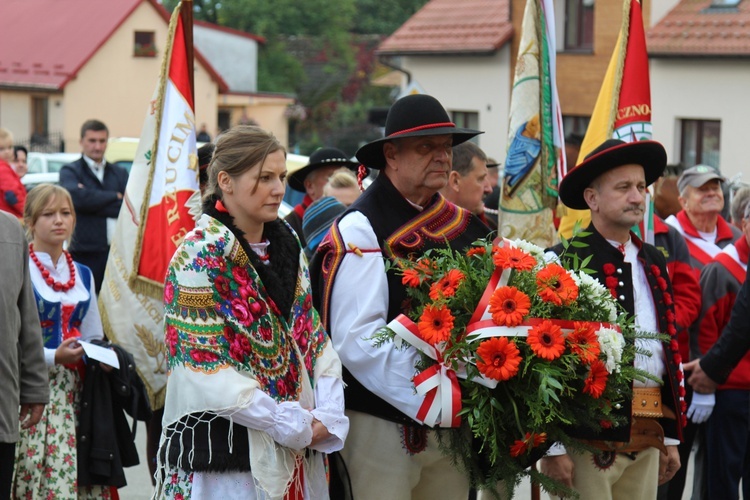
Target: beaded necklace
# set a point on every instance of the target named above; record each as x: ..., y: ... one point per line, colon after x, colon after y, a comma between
x: 52, y: 282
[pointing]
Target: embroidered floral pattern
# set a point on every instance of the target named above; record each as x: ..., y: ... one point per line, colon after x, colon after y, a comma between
x: 46, y: 464
x: 245, y: 329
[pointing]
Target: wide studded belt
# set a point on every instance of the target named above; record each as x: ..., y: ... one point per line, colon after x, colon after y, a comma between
x: 647, y: 402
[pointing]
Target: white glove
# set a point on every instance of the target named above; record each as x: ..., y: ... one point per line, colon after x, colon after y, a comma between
x: 292, y: 426
x: 701, y: 407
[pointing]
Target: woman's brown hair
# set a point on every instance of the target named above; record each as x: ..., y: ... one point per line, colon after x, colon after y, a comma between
x: 238, y: 150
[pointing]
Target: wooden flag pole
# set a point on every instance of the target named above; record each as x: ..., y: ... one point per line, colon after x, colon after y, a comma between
x: 186, y: 13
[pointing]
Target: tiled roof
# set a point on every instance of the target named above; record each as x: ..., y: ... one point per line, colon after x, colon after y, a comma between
x: 44, y: 43
x: 695, y: 28
x: 452, y: 26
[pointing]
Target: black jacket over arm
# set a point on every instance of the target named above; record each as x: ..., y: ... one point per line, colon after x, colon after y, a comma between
x: 106, y: 443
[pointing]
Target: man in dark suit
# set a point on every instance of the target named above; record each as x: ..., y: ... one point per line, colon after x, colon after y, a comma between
x: 97, y: 188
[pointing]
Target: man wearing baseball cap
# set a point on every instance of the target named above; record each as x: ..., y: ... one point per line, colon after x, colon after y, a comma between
x: 700, y: 221
x: 389, y: 452
x: 706, y: 234
x: 611, y: 182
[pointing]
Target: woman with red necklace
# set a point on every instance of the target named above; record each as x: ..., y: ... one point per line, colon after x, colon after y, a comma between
x: 46, y: 453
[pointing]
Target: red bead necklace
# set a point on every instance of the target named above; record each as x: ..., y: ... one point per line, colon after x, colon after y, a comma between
x: 56, y: 285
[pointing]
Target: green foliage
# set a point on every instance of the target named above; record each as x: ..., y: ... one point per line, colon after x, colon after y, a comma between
x: 384, y: 16
x: 311, y: 52
x: 278, y: 70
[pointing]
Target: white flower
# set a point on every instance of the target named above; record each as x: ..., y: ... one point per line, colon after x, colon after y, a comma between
x: 529, y: 248
x: 611, y: 310
x: 593, y: 283
x: 575, y: 277
x: 612, y: 343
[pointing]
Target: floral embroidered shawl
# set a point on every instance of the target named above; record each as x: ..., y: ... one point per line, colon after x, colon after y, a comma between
x: 226, y: 337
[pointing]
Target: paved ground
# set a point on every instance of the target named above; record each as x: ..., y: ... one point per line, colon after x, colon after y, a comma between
x: 139, y: 482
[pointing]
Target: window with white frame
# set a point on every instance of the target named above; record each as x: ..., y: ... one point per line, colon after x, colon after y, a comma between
x: 700, y: 142
x: 466, y: 119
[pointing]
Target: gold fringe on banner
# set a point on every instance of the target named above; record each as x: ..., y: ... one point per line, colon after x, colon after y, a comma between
x: 139, y: 284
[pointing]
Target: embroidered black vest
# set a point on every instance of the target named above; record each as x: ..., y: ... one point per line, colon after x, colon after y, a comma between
x: 608, y: 262
x: 402, y: 231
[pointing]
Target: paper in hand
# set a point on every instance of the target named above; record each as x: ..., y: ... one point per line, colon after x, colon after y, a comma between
x: 101, y: 354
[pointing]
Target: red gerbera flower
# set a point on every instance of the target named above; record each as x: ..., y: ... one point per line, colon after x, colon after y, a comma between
x: 518, y: 448
x: 447, y: 285
x: 513, y: 258
x: 476, y: 251
x: 556, y: 285
x: 498, y: 358
x: 410, y: 278
x: 583, y: 342
x: 596, y: 381
x: 546, y: 340
x: 530, y: 440
x: 436, y: 324
x: 538, y: 439
x: 508, y: 306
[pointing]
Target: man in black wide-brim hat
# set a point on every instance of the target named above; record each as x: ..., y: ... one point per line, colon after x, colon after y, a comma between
x: 612, y: 182
x: 389, y: 453
x: 311, y: 179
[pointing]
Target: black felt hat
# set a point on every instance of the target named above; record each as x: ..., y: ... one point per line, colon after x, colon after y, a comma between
x: 413, y: 116
x: 323, y: 157
x: 610, y: 154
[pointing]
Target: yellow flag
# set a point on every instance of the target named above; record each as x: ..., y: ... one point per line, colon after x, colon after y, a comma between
x: 623, y: 108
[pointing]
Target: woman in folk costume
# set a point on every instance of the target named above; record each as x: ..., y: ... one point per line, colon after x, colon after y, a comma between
x: 254, y: 393
x: 46, y: 464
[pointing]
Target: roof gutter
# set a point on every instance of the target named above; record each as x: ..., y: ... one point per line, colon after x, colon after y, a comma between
x: 31, y: 87
x: 385, y: 61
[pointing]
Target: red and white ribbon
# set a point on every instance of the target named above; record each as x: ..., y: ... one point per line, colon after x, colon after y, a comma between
x: 438, y: 383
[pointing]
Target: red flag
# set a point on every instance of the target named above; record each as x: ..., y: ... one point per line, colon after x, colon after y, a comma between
x: 154, y: 217
x: 623, y: 108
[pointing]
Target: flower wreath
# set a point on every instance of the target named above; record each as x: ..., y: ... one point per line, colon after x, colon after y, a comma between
x: 515, y: 351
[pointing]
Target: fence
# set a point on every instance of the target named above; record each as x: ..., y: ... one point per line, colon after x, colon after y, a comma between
x: 43, y: 143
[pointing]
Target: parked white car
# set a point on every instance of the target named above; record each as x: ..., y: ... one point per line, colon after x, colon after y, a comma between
x: 45, y: 167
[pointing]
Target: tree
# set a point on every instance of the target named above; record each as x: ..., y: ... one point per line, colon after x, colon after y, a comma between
x: 315, y: 50
x: 384, y: 16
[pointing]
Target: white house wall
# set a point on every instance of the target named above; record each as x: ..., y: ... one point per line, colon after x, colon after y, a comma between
x: 15, y: 113
x: 703, y: 90
x: 16, y: 110
x: 470, y: 83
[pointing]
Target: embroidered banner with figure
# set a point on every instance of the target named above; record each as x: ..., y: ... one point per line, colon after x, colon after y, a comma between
x: 535, y: 161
